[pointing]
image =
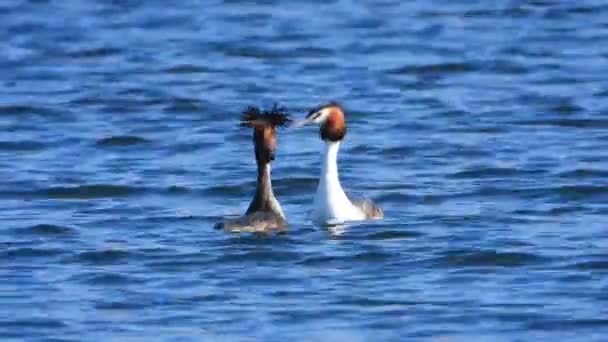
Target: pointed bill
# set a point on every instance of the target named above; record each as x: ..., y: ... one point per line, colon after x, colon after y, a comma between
x: 300, y: 123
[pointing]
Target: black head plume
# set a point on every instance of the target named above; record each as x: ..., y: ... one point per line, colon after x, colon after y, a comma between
x: 253, y: 116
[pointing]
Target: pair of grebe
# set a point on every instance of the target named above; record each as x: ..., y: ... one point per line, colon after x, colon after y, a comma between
x: 331, y: 205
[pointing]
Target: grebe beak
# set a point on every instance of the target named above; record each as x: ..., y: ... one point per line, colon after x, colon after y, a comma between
x: 301, y: 123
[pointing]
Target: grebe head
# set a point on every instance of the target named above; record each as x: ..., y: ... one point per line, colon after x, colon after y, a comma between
x: 330, y: 117
x: 264, y: 124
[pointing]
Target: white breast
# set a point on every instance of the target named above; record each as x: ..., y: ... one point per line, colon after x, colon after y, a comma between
x: 331, y: 205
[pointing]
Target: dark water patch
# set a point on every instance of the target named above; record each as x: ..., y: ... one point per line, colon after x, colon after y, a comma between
x: 567, y: 123
x: 121, y: 140
x: 84, y: 192
x: 481, y: 13
x: 129, y: 101
x: 545, y: 102
x: 317, y: 66
x: 87, y: 100
x: 176, y: 189
x: 431, y: 31
x: 146, y: 96
x: 554, y: 103
x: 254, y: 52
x: 569, y: 278
x: 90, y: 191
x: 179, y: 215
x: 479, y: 129
x: 185, y: 105
x: 393, y: 196
x: 19, y: 110
x: 259, y: 256
x: 107, y: 278
x: 122, y: 108
x: 320, y: 260
x: 175, y: 266
x: 22, y: 146
x: 169, y: 20
x: 583, y: 174
x: 506, y: 67
x: 305, y: 316
x: 338, y: 261
x: 313, y: 52
x: 591, y: 265
x: 173, y: 148
x: 105, y: 257
x: 601, y: 93
x: 489, y: 192
x: 369, y: 302
x: 398, y: 151
x: 563, y: 210
x: 491, y: 172
x: 514, y: 242
x: 470, y: 152
x: 569, y: 323
x: 589, y: 9
x: 414, y: 125
x: 50, y: 230
x: 98, y: 52
x: 186, y: 69
x: 582, y: 191
x: 109, y: 304
x: 514, y: 317
x: 452, y: 113
x: 30, y: 252
x: 434, y: 69
x: 563, y: 12
x: 486, y: 258
x: 290, y: 37
x: 566, y: 191
x: 270, y: 280
x: 393, y: 235
x: 35, y: 323
x: 364, y: 149
x: 230, y: 190
x: 372, y: 256
x: 567, y: 107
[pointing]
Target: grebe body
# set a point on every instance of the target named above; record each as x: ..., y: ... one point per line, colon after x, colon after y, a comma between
x: 331, y: 205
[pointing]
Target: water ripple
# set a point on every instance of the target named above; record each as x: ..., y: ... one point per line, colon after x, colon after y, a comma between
x: 124, y: 140
x: 50, y: 230
x: 105, y: 257
x: 475, y: 258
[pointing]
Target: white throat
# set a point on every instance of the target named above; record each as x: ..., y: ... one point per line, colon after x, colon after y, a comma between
x: 274, y: 204
x: 331, y: 205
x: 329, y: 166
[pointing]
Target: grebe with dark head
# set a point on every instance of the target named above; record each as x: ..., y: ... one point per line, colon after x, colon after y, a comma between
x: 331, y: 205
x: 264, y: 213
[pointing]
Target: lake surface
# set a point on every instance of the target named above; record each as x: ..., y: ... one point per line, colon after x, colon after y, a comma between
x: 480, y: 127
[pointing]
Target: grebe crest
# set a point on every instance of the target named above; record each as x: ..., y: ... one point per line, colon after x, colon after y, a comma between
x: 264, y: 213
x: 331, y: 204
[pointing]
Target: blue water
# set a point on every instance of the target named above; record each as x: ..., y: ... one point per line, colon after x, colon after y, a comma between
x: 479, y: 127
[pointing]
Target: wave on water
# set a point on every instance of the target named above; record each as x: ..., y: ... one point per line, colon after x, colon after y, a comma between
x: 487, y: 258
x: 50, y: 230
x: 121, y: 140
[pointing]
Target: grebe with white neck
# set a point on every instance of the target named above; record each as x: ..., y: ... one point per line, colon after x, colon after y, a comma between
x: 264, y: 213
x: 331, y: 204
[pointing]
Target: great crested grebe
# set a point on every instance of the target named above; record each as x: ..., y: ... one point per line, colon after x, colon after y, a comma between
x: 264, y: 213
x: 331, y: 205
